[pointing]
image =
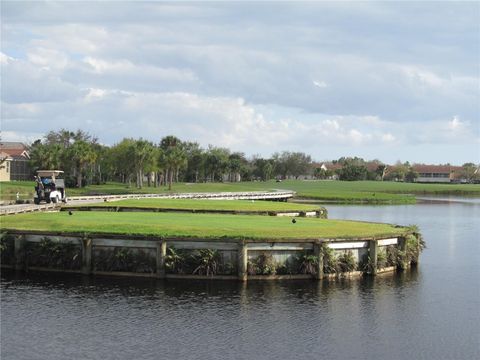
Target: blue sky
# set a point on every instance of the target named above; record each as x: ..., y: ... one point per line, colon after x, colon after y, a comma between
x: 385, y: 80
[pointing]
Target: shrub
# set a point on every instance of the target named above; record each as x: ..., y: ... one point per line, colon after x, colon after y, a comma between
x: 201, y: 262
x: 347, y: 262
x: 381, y: 258
x: 7, y: 248
x: 175, y: 261
x: 263, y: 264
x: 290, y: 267
x: 392, y: 255
x: 208, y: 261
x: 330, y: 261
x: 53, y: 254
x: 124, y: 259
x: 308, y: 263
x: 413, y: 247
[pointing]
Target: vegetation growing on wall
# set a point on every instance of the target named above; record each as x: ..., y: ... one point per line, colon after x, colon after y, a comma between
x: 308, y: 263
x: 382, y: 258
x: 197, y: 262
x: 175, y: 261
x: 393, y: 255
x: 208, y: 262
x: 263, y: 264
x: 347, y: 262
x: 124, y: 259
x: 53, y: 254
x: 330, y: 261
x: 414, y: 245
x: 7, y: 249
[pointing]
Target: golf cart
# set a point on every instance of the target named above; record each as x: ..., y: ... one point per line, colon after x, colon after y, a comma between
x: 49, y: 187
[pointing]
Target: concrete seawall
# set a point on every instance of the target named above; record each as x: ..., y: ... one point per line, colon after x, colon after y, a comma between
x: 123, y: 255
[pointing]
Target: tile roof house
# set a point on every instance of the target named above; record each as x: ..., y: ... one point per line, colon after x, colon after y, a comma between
x: 14, y: 160
x: 437, y: 173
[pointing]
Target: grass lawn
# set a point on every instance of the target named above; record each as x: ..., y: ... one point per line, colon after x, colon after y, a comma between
x: 9, y: 189
x: 339, y: 191
x: 208, y: 205
x: 196, y: 225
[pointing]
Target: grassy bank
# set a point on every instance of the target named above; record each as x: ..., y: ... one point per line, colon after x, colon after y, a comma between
x: 208, y: 205
x: 338, y: 191
x: 197, y: 225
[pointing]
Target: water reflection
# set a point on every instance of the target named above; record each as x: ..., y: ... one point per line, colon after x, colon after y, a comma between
x: 305, y: 291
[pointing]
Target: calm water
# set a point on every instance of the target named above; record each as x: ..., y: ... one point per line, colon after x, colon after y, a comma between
x: 431, y: 313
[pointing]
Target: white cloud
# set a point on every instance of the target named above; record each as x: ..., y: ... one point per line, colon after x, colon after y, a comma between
x: 48, y: 58
x: 455, y: 124
x: 21, y: 136
x: 95, y: 94
x: 388, y: 138
x: 320, y: 84
x: 5, y: 59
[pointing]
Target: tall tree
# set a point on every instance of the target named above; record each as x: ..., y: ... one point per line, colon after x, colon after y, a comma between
x: 292, y: 164
x: 123, y: 159
x: 236, y: 165
x: 81, y: 154
x: 143, y: 158
x: 216, y: 162
x: 470, y: 172
x: 174, y: 157
x: 45, y: 156
x: 353, y: 169
x: 195, y: 161
x: 262, y: 168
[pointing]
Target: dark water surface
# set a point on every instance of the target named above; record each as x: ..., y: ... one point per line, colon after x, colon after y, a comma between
x: 430, y: 313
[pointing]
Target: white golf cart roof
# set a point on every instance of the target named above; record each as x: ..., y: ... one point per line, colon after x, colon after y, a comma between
x: 53, y: 173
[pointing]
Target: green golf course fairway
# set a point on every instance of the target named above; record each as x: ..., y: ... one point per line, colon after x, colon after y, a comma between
x: 207, y: 226
x: 375, y: 192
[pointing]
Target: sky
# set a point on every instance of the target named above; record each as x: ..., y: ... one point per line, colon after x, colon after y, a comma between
x: 379, y: 80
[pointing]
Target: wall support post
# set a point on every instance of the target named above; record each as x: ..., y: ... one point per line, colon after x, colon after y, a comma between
x: 242, y: 260
x: 317, y: 251
x: 86, y: 255
x: 19, y: 250
x: 373, y: 254
x: 161, y: 255
x: 402, y: 247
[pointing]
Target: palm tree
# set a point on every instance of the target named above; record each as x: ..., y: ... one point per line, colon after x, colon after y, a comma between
x: 43, y: 156
x: 82, y: 154
x: 174, y: 157
x: 144, y: 155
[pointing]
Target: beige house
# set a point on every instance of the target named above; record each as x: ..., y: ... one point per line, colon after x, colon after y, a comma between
x: 437, y: 173
x: 14, y: 162
x: 5, y: 164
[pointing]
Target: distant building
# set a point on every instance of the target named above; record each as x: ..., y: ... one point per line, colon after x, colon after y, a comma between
x: 437, y: 173
x: 14, y: 161
x: 331, y: 168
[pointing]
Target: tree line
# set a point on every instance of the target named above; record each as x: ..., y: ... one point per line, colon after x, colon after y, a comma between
x: 142, y: 162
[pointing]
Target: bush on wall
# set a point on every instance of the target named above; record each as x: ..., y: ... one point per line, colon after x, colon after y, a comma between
x: 54, y: 254
x: 7, y: 248
x: 124, y: 259
x: 197, y: 262
x: 347, y: 262
x: 263, y: 264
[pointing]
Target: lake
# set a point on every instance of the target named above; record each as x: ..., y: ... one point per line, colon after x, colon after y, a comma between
x: 431, y: 312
